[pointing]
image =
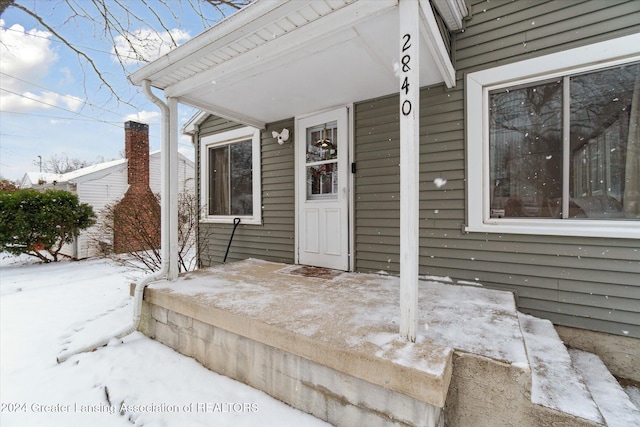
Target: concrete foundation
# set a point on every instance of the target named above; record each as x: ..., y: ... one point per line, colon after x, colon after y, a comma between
x: 336, y: 397
x: 485, y: 392
x: 620, y: 354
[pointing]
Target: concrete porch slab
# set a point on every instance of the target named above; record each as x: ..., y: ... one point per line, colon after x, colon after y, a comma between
x: 349, y: 322
x: 335, y: 335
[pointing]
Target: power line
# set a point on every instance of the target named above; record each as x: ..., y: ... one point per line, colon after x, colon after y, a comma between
x: 57, y: 117
x: 56, y: 106
x: 65, y: 96
x: 58, y: 41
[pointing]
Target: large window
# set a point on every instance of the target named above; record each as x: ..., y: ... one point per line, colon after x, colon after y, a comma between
x: 555, y: 152
x: 231, y: 176
x: 230, y: 179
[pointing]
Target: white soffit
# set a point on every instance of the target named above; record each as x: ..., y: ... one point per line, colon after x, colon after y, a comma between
x: 293, y: 59
x: 453, y: 12
x: 261, y: 22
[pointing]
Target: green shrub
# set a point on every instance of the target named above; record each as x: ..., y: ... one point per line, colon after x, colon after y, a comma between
x: 40, y: 223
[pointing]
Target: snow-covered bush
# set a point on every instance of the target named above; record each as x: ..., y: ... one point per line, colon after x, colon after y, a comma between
x: 40, y: 223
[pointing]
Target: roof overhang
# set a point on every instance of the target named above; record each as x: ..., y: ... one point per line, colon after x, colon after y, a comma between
x: 275, y: 60
x: 453, y: 12
x: 192, y: 125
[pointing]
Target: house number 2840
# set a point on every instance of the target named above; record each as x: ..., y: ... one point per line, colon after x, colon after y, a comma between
x: 405, y: 66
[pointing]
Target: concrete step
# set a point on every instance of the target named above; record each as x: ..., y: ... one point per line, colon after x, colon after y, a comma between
x: 555, y: 383
x: 633, y: 390
x: 614, y: 404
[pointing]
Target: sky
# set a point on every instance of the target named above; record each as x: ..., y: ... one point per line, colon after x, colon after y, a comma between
x: 51, y: 101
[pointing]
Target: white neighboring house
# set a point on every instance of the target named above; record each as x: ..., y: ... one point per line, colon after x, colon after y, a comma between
x: 33, y: 179
x: 101, y: 185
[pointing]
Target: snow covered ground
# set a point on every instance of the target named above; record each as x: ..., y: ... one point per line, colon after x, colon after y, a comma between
x: 45, y: 308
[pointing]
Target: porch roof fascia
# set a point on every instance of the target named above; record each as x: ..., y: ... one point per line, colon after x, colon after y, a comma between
x: 429, y: 31
x: 168, y: 72
x: 191, y: 126
x: 242, y: 23
x: 453, y: 12
x: 343, y: 17
x: 214, y: 37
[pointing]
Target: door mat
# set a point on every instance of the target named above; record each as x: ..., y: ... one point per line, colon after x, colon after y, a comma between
x: 308, y: 271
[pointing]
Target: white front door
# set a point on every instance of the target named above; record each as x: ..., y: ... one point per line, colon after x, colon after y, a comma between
x: 322, y: 189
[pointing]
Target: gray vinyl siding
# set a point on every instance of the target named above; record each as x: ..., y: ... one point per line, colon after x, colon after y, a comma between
x: 591, y: 283
x: 506, y: 31
x: 377, y: 181
x: 274, y: 239
x: 377, y: 185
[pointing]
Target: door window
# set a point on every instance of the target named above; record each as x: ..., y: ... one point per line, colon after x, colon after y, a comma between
x: 322, y: 161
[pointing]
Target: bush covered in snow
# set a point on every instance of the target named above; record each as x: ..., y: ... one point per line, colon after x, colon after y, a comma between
x: 40, y: 223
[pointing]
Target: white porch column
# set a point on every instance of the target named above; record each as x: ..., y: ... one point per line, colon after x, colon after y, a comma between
x: 409, y: 68
x: 172, y: 210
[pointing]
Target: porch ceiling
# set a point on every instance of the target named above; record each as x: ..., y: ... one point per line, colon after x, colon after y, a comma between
x: 274, y: 60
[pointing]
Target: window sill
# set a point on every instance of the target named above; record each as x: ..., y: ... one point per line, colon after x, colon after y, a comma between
x: 567, y: 227
x: 229, y: 220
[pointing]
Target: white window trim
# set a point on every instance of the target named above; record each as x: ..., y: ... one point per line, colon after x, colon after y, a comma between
x: 477, y: 86
x: 225, y: 138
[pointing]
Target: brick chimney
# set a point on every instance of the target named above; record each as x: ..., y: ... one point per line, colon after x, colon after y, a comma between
x: 136, y: 150
x: 136, y: 221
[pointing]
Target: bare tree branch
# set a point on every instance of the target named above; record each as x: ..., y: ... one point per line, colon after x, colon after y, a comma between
x: 66, y: 43
x: 164, y: 27
x: 115, y: 18
x: 235, y: 4
x: 132, y: 217
x: 4, y: 4
x: 62, y: 164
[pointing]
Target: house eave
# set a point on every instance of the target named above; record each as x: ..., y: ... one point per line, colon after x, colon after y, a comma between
x: 207, y: 40
x: 97, y: 174
x: 273, y: 60
x: 453, y: 12
x: 192, y: 125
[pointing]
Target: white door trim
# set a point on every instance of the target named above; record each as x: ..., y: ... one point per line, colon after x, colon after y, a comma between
x: 299, y: 187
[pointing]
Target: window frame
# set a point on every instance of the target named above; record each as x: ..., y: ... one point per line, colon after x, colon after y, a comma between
x: 478, y: 84
x: 228, y: 138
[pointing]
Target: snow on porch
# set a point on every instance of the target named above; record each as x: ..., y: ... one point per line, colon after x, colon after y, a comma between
x: 327, y: 343
x: 361, y: 312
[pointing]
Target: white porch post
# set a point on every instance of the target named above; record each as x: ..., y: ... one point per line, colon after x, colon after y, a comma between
x: 173, y: 188
x: 409, y: 68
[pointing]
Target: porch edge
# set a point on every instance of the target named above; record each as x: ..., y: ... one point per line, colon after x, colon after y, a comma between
x: 418, y: 384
